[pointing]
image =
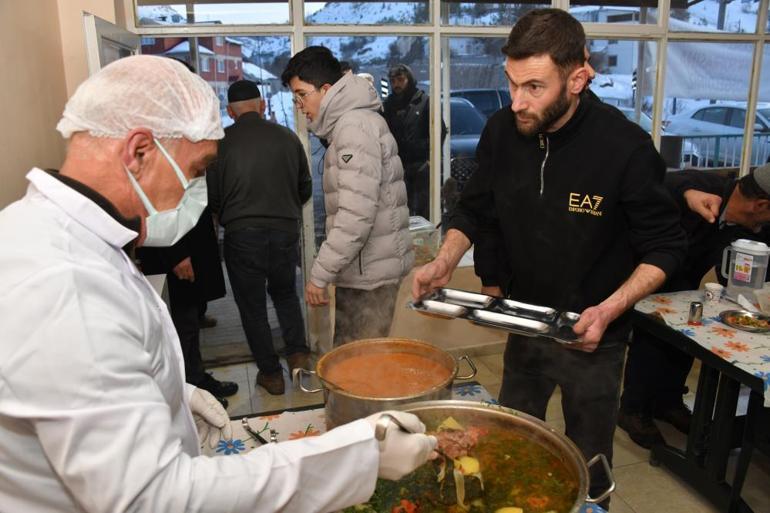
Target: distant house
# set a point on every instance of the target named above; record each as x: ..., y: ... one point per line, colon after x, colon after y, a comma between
x: 269, y: 83
x: 220, y: 62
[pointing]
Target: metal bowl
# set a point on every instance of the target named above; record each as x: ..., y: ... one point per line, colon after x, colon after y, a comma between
x: 342, y: 406
x: 432, y: 413
x: 742, y: 320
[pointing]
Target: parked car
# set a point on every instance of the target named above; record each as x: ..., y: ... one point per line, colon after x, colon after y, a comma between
x: 466, y: 125
x: 644, y: 120
x: 487, y: 101
x: 716, y: 131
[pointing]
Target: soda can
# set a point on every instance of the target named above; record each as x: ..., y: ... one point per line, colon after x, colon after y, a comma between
x: 696, y: 313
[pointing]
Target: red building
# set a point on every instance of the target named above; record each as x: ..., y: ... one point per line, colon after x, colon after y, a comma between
x: 220, y: 62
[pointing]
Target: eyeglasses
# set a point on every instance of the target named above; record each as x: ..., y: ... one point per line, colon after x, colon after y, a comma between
x: 299, y: 98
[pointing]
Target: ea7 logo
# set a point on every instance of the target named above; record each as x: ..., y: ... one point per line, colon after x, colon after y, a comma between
x: 585, y: 204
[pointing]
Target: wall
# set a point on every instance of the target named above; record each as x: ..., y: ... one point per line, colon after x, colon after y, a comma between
x: 43, y: 58
x: 73, y: 45
x: 33, y: 92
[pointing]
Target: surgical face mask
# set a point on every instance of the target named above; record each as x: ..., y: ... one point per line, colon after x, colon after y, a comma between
x: 167, y: 227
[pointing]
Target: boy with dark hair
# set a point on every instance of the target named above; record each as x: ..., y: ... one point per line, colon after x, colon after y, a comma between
x: 368, y: 248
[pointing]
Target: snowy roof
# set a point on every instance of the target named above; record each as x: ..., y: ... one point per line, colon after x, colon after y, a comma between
x: 256, y: 73
x: 184, y: 48
x: 233, y: 41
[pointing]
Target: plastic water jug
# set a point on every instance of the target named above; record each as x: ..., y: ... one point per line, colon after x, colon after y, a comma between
x: 744, y: 264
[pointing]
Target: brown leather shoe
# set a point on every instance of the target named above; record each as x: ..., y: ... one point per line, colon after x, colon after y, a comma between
x: 272, y: 382
x: 298, y: 361
x: 640, y: 428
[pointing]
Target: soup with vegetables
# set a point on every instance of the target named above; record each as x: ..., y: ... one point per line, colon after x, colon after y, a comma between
x: 484, y: 469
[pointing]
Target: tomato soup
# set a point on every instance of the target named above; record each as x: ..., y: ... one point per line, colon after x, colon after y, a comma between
x: 386, y: 374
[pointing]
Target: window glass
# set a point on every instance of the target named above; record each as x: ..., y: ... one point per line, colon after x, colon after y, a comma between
x: 260, y: 59
x: 486, y: 13
x: 388, y: 12
x: 625, y: 76
x: 617, y: 11
x: 716, y: 115
x: 737, y: 118
x: 192, y: 12
x: 713, y: 16
x: 703, y: 81
x: 476, y: 89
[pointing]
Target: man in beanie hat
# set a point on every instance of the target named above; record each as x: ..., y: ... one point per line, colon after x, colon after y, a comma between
x: 257, y: 189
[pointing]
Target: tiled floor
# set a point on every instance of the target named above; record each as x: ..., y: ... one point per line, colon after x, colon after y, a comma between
x: 641, y: 488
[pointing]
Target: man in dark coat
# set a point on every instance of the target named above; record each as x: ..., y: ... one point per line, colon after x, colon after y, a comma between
x: 194, y: 276
x: 257, y: 188
x: 407, y: 112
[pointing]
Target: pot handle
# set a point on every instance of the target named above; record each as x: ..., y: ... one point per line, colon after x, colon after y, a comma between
x: 296, y: 376
x: 470, y: 364
x: 608, y: 471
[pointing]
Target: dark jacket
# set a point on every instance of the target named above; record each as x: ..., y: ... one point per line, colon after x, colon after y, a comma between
x: 572, y: 212
x: 200, y: 244
x: 261, y: 177
x: 705, y: 241
x: 409, y: 122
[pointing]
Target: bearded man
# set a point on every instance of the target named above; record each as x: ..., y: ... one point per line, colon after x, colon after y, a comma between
x: 566, y: 210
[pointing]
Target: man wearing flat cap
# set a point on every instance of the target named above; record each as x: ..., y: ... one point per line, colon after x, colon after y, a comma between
x: 716, y: 210
x: 257, y: 188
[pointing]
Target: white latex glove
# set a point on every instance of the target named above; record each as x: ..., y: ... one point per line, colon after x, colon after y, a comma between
x: 211, y: 419
x: 402, y: 452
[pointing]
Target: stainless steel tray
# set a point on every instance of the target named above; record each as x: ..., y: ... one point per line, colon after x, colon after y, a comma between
x: 506, y: 314
x: 464, y: 298
x: 540, y: 313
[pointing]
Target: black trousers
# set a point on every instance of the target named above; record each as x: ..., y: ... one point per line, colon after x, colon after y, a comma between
x: 590, y: 389
x: 655, y: 376
x: 256, y: 257
x: 185, y: 312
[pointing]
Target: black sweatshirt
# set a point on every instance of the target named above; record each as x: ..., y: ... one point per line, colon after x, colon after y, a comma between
x: 261, y: 177
x: 562, y: 219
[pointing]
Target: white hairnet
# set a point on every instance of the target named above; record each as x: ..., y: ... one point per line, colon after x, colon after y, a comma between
x: 144, y: 91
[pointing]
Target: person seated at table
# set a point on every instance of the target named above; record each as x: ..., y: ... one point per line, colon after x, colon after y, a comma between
x: 716, y: 210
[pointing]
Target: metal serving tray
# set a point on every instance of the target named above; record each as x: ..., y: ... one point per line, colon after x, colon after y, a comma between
x: 539, y: 313
x: 506, y: 314
x: 464, y: 298
x: 510, y: 322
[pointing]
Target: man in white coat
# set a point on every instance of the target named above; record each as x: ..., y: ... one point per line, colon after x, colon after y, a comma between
x: 94, y: 412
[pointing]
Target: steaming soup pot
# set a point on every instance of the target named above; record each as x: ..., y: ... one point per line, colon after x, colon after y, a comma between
x: 368, y: 376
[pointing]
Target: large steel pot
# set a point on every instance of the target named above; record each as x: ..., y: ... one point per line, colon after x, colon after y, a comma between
x: 342, y: 406
x: 492, y: 417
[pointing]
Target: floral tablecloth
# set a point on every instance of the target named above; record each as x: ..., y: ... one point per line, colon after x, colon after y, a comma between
x: 747, y: 351
x: 291, y: 425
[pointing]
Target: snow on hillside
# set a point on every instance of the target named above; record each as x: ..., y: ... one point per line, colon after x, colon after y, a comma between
x: 739, y: 16
x: 369, y: 13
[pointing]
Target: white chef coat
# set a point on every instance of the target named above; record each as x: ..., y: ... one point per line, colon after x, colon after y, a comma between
x: 93, y: 411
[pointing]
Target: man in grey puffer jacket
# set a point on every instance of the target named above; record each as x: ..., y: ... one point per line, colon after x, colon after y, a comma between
x: 368, y: 248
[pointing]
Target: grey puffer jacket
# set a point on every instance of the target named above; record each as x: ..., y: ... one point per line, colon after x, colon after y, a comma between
x: 368, y: 243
